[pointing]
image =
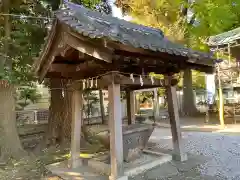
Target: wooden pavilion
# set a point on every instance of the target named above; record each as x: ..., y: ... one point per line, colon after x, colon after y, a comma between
x: 118, y: 55
x: 228, y: 74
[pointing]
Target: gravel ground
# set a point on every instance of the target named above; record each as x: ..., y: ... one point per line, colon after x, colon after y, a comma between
x: 223, y: 150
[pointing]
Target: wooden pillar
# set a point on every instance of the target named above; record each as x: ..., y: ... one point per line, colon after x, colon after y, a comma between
x: 116, y: 136
x: 102, y: 109
x: 130, y: 107
x: 77, y: 101
x: 178, y: 145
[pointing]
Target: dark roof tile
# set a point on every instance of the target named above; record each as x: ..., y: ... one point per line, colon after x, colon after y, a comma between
x: 224, y: 38
x: 96, y: 25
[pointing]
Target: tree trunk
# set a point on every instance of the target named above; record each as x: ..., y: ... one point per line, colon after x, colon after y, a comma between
x: 189, y: 106
x: 10, y: 144
x: 101, y: 106
x: 56, y: 114
x: 67, y: 121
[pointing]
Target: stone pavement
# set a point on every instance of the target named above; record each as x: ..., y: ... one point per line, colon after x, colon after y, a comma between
x: 177, y: 171
x: 212, y: 156
x: 223, y: 152
x: 197, y: 124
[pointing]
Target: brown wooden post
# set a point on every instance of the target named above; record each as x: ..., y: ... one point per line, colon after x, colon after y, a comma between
x: 178, y: 145
x: 136, y: 103
x: 116, y: 136
x: 76, y: 128
x: 130, y: 107
x: 102, y: 106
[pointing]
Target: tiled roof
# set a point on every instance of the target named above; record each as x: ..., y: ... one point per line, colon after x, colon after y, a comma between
x: 96, y: 25
x: 224, y: 38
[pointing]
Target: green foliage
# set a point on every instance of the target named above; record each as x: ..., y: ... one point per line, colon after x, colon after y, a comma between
x: 27, y: 35
x: 30, y: 93
x: 92, y: 99
x: 87, y: 3
x: 163, y: 14
x: 198, y: 80
x: 27, y: 95
x: 209, y: 17
x: 213, y: 17
x: 145, y: 96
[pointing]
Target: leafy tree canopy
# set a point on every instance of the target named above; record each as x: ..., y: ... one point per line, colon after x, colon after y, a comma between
x: 185, y: 21
x: 27, y: 34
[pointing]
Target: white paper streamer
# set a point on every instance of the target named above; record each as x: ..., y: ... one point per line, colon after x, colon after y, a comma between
x: 152, y: 79
x: 96, y: 83
x: 141, y: 80
x: 89, y: 83
x: 161, y: 82
x: 131, y: 77
x: 84, y: 84
x: 92, y: 83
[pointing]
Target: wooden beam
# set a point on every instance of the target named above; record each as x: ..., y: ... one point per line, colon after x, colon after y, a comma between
x: 63, y: 68
x: 87, y: 66
x: 146, y: 81
x: 137, y: 69
x: 156, y: 57
x: 85, y: 47
x: 88, y: 74
x: 104, y: 81
x: 52, y: 53
x: 45, y: 67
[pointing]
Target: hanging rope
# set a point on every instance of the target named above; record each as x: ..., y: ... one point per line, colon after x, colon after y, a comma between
x: 22, y: 16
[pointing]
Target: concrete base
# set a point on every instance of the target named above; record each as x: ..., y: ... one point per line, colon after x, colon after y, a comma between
x: 147, y: 161
x: 83, y: 172
x: 97, y: 170
x: 181, y: 158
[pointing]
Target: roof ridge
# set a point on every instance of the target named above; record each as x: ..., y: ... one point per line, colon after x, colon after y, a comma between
x: 90, y: 13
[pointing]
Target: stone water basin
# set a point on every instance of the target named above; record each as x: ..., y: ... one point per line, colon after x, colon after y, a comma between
x: 135, y: 138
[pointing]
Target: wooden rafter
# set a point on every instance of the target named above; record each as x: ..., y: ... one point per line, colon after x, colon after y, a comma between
x: 87, y: 48
x: 66, y: 50
x: 53, y: 52
x: 62, y: 68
